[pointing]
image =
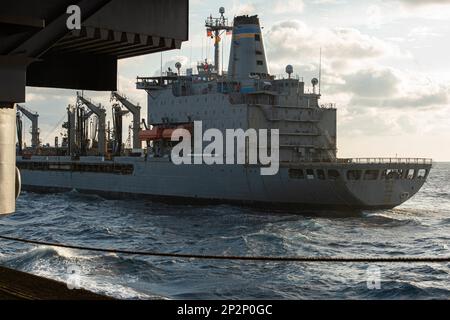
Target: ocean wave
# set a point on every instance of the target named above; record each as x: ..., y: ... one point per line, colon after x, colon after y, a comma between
x: 400, y: 290
x: 389, y: 220
x: 445, y: 221
x: 95, y: 276
x: 419, y: 227
x: 46, y: 253
x: 83, y: 196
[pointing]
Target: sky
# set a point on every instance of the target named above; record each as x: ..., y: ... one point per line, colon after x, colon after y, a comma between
x: 385, y: 64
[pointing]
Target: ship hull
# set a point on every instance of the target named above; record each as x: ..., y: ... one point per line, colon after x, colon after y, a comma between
x: 161, y: 180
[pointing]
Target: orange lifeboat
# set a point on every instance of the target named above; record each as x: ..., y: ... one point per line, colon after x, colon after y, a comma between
x: 150, y: 135
x: 167, y: 134
x: 158, y: 133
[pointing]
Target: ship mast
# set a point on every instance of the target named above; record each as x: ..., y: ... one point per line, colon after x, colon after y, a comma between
x: 214, y: 27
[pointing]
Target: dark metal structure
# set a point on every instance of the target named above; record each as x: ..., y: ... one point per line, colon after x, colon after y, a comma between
x: 135, y: 111
x: 215, y: 28
x: 34, y: 118
x: 38, y: 49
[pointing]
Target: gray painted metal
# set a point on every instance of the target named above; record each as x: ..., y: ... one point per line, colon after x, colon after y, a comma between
x: 158, y: 177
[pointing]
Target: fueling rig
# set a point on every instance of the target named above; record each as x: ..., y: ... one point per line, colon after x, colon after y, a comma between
x: 86, y: 131
x: 34, y: 118
x: 90, y: 134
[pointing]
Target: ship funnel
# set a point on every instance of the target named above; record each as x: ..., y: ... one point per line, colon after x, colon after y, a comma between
x: 247, y: 54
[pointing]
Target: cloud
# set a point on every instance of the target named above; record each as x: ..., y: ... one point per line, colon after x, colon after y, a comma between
x: 352, y: 67
x: 388, y: 88
x: 328, y: 1
x: 417, y: 3
x: 239, y: 8
x: 419, y: 9
x: 288, y: 6
x: 374, y: 16
x: 371, y: 123
x: 438, y: 98
x: 423, y: 32
x: 340, y: 46
x: 371, y: 83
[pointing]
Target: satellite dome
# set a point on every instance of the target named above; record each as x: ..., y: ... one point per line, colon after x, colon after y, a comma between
x: 289, y: 69
x: 314, y: 81
x: 222, y: 10
x: 178, y: 65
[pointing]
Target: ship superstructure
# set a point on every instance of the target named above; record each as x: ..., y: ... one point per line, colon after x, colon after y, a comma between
x: 245, y: 97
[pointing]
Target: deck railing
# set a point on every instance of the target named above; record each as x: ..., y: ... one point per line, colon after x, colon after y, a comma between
x: 387, y: 160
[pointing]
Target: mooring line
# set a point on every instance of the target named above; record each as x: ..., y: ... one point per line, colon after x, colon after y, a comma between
x: 239, y: 258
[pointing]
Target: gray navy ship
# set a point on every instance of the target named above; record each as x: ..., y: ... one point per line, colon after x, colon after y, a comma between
x: 247, y: 96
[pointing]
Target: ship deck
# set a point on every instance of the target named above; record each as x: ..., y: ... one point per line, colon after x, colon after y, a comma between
x: 17, y: 285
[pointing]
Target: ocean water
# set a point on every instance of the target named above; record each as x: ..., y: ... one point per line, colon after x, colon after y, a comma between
x: 421, y: 227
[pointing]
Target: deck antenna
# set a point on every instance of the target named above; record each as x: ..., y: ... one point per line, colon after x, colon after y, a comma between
x: 206, y: 50
x: 320, y: 71
x: 190, y: 57
x: 161, y: 67
x: 221, y: 71
x: 203, y: 44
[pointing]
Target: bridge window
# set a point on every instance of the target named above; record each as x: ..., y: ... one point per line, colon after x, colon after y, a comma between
x: 259, y: 62
x: 354, y: 175
x: 333, y: 174
x: 371, y: 175
x: 310, y: 174
x: 410, y: 174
